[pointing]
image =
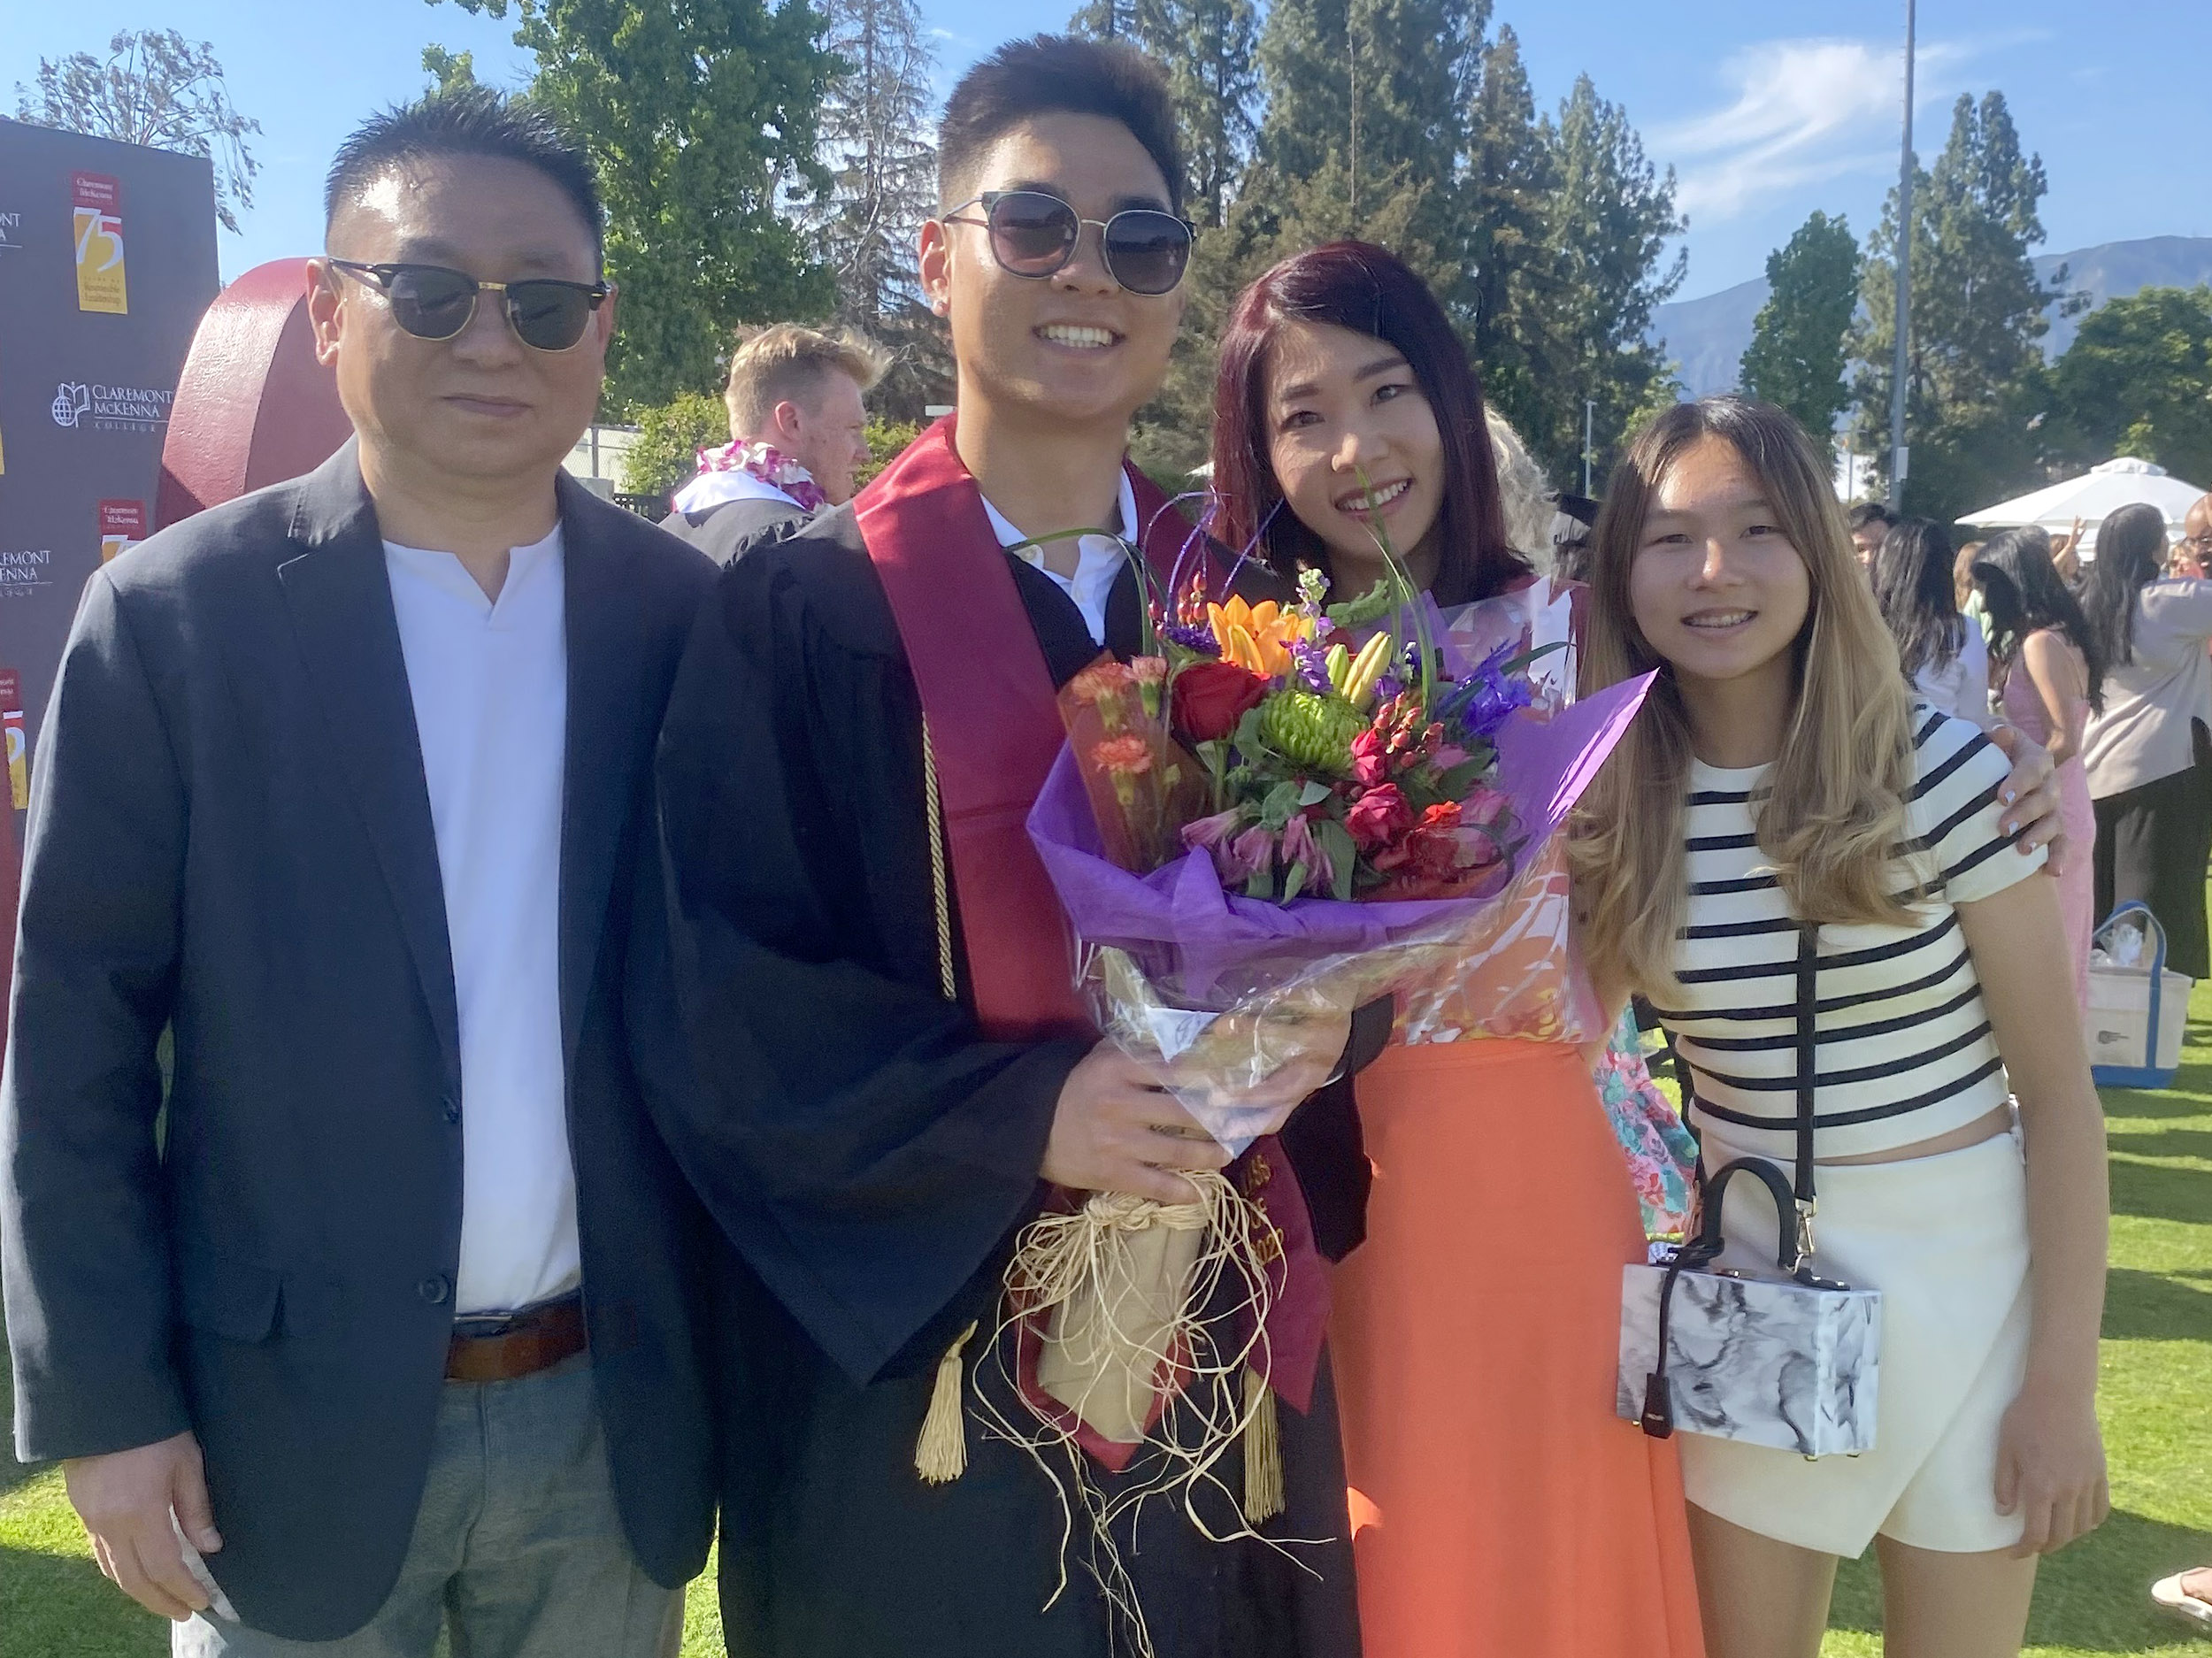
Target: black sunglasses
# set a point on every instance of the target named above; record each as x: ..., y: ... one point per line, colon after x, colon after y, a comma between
x: 1034, y: 235
x: 431, y: 302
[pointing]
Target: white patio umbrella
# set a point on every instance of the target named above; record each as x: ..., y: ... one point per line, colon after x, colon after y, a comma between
x: 2094, y: 497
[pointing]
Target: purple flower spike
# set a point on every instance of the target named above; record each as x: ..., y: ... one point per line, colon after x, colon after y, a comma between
x: 1475, y: 708
x: 1313, y: 664
x: 1197, y: 637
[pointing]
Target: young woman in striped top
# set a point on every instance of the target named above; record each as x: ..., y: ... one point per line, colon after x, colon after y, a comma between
x: 1781, y: 774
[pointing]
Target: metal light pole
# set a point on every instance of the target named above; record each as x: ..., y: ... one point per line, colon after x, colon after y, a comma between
x: 1899, y: 454
x: 1589, y: 444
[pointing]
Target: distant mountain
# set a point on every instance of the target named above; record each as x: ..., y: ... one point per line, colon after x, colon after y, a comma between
x: 1709, y: 336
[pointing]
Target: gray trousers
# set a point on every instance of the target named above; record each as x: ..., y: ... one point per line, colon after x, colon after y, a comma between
x: 518, y: 1549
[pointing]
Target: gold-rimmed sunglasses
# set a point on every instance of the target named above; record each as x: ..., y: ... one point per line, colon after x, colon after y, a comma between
x: 432, y: 302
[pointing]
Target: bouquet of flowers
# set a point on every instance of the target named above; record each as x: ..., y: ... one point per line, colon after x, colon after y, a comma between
x: 1286, y: 812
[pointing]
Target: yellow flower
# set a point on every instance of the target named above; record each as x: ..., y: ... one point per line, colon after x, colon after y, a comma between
x: 1257, y: 638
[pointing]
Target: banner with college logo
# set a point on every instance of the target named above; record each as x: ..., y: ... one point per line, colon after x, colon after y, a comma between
x: 90, y: 352
x: 97, y: 198
x: 12, y: 725
x: 122, y: 526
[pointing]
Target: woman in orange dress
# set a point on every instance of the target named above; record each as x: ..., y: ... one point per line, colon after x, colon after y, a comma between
x: 1501, y: 1509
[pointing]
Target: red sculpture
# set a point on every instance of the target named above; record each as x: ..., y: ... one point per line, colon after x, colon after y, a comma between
x: 253, y: 407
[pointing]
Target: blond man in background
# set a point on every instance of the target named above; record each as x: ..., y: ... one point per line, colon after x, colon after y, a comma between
x: 797, y: 432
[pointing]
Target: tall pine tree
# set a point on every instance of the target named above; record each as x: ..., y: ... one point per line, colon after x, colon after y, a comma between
x: 1607, y: 223
x: 1209, y: 49
x: 1796, y: 354
x: 1375, y: 86
x: 875, y: 146
x: 1973, y: 366
x: 1501, y: 210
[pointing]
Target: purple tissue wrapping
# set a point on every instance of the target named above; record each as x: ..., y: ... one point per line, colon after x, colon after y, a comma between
x: 1216, y: 945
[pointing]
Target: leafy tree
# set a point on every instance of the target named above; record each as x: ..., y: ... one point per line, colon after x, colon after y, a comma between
x: 692, y: 110
x: 155, y: 88
x: 886, y: 441
x: 670, y: 436
x: 449, y: 70
x: 1134, y: 21
x: 2138, y: 380
x: 1973, y: 364
x: 1796, y: 355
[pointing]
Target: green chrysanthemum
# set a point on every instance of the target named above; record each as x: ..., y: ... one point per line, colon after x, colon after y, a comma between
x: 1313, y: 731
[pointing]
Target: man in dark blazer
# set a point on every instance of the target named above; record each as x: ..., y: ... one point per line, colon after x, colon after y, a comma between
x: 396, y: 1309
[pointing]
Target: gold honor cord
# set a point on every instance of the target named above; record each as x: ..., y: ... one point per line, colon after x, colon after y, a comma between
x: 938, y: 888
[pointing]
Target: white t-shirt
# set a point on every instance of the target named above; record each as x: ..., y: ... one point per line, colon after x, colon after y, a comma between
x: 1904, y: 1046
x: 1961, y: 687
x: 489, y: 683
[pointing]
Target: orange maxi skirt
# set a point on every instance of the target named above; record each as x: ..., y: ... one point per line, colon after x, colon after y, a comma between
x: 1501, y: 1509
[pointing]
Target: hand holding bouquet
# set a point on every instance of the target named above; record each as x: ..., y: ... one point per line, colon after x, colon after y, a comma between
x: 1294, y: 811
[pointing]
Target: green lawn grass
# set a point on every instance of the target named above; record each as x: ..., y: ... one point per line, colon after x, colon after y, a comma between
x: 2156, y: 1403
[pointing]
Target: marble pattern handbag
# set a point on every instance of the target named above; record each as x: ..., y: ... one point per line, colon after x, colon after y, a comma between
x: 1792, y: 1362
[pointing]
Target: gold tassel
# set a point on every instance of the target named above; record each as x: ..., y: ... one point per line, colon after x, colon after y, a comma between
x: 940, y: 1455
x: 1263, y: 1451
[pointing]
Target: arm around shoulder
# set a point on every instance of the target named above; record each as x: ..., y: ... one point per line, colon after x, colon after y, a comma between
x: 84, y: 1245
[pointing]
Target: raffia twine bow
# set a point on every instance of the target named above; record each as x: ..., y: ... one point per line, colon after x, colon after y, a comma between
x: 1130, y: 1293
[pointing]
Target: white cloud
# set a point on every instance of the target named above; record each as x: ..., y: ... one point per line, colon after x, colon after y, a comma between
x: 1803, y: 111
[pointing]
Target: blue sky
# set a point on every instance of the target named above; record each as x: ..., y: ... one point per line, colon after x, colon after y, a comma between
x: 1768, y: 109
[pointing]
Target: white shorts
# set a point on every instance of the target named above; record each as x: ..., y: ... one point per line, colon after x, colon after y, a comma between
x: 1945, y: 1239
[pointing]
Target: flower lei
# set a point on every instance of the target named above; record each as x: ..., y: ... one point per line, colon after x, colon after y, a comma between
x: 771, y: 465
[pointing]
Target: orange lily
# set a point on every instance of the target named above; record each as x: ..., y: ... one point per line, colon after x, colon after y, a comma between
x: 1257, y: 638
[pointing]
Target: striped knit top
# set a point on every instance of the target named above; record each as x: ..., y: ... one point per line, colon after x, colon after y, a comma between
x: 1904, y: 1048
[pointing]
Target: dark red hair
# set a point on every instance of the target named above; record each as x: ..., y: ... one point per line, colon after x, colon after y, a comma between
x: 1370, y: 290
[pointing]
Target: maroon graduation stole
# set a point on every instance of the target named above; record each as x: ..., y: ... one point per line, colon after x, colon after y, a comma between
x: 994, y: 730
x: 995, y: 724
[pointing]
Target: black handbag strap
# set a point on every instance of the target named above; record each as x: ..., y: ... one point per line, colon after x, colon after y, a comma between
x: 1794, y: 1203
x: 1807, y: 1081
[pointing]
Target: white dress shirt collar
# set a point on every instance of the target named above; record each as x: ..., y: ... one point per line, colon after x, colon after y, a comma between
x: 1098, y: 561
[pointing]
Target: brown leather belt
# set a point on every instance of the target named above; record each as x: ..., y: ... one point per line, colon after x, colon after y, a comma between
x: 534, y: 1339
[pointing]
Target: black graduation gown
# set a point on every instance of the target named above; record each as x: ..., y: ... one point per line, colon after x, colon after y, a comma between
x: 871, y: 1158
x: 724, y: 531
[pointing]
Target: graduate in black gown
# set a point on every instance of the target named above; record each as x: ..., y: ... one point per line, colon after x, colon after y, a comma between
x: 817, y: 1064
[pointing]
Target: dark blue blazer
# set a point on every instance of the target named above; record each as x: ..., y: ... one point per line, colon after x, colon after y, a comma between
x: 231, y: 840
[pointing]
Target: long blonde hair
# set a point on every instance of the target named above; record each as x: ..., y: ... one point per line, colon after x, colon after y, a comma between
x: 1834, y: 816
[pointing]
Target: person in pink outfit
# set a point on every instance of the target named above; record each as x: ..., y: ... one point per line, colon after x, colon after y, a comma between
x: 2053, y: 676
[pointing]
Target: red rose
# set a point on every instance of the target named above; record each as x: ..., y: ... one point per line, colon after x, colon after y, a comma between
x: 1379, y: 817
x: 1210, y: 697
